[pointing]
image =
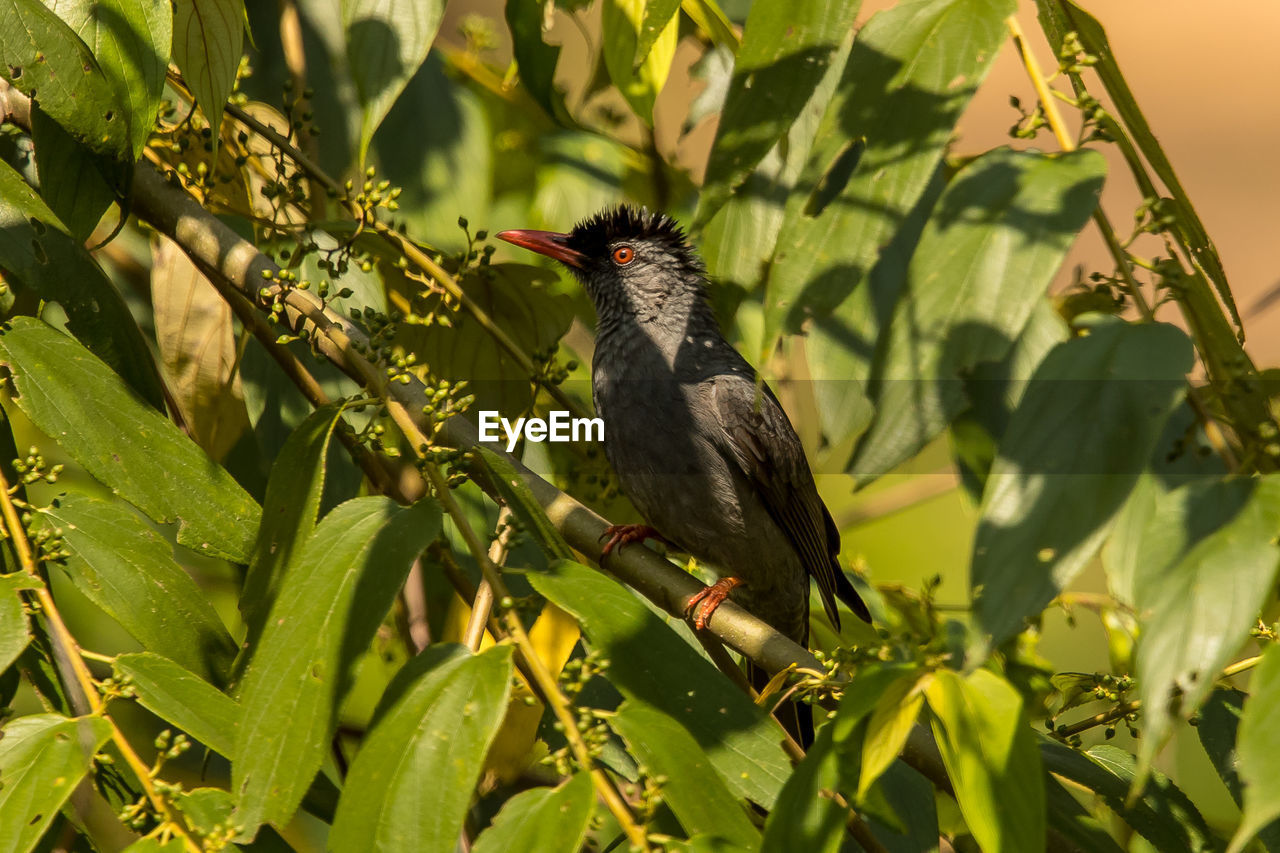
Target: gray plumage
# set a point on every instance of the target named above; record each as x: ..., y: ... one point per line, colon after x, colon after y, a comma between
x: 706, y: 454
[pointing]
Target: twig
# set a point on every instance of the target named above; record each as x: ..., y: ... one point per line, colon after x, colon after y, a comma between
x: 482, y: 604
x: 84, y: 678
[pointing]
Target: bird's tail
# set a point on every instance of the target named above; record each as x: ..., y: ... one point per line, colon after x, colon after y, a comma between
x: 796, y: 717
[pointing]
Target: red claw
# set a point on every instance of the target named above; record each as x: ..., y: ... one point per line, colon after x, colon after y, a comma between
x: 625, y: 534
x: 709, y: 599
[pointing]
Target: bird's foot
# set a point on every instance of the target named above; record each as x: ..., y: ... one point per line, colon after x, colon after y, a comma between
x: 625, y: 534
x: 709, y: 599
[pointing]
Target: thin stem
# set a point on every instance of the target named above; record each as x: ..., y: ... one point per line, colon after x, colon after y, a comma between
x: 482, y: 604
x: 84, y: 678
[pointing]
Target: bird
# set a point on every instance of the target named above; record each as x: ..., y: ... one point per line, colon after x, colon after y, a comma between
x: 701, y: 447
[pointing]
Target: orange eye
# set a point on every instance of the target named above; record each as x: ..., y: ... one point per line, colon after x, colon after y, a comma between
x: 623, y: 255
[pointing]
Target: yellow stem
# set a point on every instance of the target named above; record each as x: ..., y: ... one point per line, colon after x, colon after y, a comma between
x: 81, y: 672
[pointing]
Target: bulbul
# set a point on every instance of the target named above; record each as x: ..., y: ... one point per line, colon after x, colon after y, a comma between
x: 703, y: 450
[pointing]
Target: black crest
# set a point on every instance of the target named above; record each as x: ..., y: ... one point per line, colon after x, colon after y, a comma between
x: 595, y: 235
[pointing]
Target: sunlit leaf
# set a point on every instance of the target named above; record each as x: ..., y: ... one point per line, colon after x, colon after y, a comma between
x: 1073, y: 450
x: 786, y: 49
x: 128, y: 570
x: 324, y: 615
x: 15, y: 633
x: 622, y: 23
x: 411, y: 782
x: 42, y: 759
x: 208, y: 36
x: 693, y: 791
x: 1258, y: 745
x: 542, y: 819
x: 1209, y: 558
x: 991, y: 757
x: 126, y: 445
x: 182, y: 698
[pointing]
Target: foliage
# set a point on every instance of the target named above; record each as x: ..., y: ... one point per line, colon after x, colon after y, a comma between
x: 242, y: 338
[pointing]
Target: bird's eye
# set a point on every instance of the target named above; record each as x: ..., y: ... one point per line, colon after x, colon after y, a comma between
x: 623, y: 255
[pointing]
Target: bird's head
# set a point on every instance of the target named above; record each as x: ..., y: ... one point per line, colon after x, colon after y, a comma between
x: 628, y: 260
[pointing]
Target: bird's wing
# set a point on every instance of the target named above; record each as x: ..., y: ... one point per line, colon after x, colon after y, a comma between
x: 759, y: 437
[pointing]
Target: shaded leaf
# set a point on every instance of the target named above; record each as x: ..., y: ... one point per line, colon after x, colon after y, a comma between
x: 535, y: 58
x: 126, y: 445
x: 15, y: 633
x: 542, y: 819
x: 40, y: 54
x: 912, y: 70
x: 198, y: 350
x: 802, y: 818
x: 520, y: 500
x: 650, y: 663
x: 128, y: 570
x: 693, y: 791
x: 786, y: 49
x: 180, y: 697
x: 990, y: 755
x: 1258, y: 745
x: 43, y: 757
x: 289, y: 513
x: 72, y: 181
x: 1218, y: 729
x: 411, y: 782
x: 1070, y: 820
x: 208, y: 38
x: 987, y: 255
x: 40, y: 257
x: 1209, y: 558
x: 323, y: 617
x: 1073, y: 451
x: 386, y: 42
x: 1162, y: 814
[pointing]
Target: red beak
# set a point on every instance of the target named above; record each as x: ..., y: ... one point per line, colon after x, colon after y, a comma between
x: 548, y: 243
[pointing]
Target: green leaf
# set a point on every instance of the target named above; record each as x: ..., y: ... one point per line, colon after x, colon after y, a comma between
x: 785, y: 52
x: 650, y: 663
x: 123, y: 443
x: 1209, y: 560
x: 1258, y: 746
x: 987, y: 255
x: 128, y: 570
x: 912, y: 71
x: 41, y: 258
x: 1073, y: 450
x: 386, y: 42
x: 413, y: 779
x: 15, y: 632
x: 73, y: 181
x: 42, y: 759
x: 990, y: 755
x: 802, y: 818
x: 515, y: 296
x: 622, y: 23
x: 1070, y: 820
x: 182, y: 698
x: 289, y: 515
x: 445, y: 167
x: 542, y: 819
x: 198, y: 349
x: 657, y: 15
x: 1218, y: 729
x: 40, y: 53
x: 524, y: 505
x: 131, y: 41
x: 208, y: 38
x: 535, y: 58
x: 693, y: 790
x: 889, y: 725
x: 1162, y: 814
x: 334, y: 595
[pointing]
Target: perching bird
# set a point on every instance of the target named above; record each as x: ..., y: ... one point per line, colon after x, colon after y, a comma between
x: 704, y: 452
